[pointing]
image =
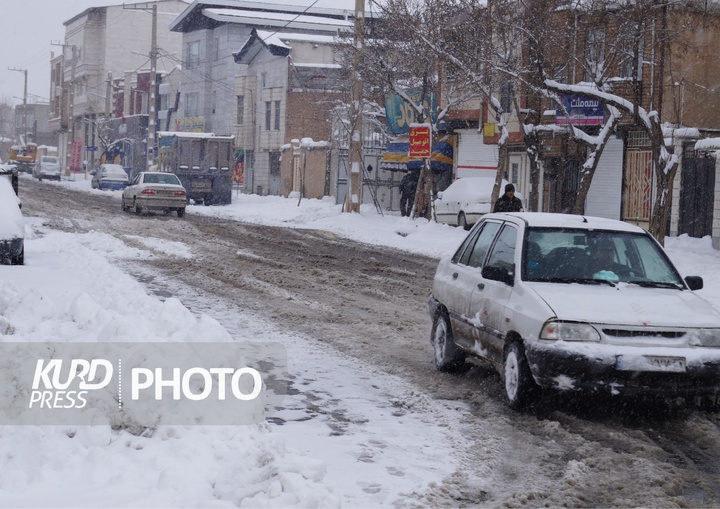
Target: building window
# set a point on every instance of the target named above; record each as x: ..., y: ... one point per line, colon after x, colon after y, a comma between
x: 277, y: 115
x: 193, y: 55
x: 506, y: 96
x: 263, y: 80
x: 214, y: 101
x: 268, y: 114
x: 240, y: 109
x: 595, y: 52
x: 629, y: 30
x: 191, y: 105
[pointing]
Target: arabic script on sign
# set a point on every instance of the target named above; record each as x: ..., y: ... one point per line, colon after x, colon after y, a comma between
x: 420, y: 140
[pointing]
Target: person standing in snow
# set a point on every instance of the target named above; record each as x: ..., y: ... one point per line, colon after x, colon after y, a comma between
x: 508, y: 202
x: 408, y: 187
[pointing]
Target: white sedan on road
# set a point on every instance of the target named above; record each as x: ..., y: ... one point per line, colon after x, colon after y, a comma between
x: 155, y: 191
x: 574, y: 303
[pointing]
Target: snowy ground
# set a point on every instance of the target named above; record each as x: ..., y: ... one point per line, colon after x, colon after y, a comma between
x: 380, y: 454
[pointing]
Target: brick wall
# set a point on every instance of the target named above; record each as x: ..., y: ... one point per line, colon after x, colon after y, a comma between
x: 308, y: 115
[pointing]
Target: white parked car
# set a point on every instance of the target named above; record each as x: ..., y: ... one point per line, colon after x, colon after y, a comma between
x: 466, y: 200
x: 47, y: 167
x: 155, y: 190
x: 574, y: 303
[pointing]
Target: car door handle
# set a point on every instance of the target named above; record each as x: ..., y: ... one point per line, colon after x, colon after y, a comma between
x: 455, y: 275
x: 481, y: 286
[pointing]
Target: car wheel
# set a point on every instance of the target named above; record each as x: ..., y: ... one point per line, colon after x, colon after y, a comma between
x: 123, y: 205
x: 207, y: 200
x: 448, y: 357
x: 462, y: 221
x: 181, y: 212
x: 40, y: 178
x: 521, y: 390
x: 138, y: 209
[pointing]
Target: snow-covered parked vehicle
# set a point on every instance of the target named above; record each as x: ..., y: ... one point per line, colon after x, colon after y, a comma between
x: 466, y: 200
x: 47, y: 167
x: 12, y: 229
x: 574, y: 303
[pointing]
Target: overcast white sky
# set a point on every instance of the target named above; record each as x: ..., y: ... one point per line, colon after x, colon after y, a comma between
x: 29, y: 27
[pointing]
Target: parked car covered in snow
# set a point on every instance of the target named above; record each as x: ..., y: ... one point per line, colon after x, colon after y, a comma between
x: 12, y: 236
x: 155, y: 190
x: 47, y: 167
x: 574, y: 303
x: 110, y: 176
x: 466, y: 200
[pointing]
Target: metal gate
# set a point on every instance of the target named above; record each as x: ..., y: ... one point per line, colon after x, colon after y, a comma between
x: 637, y: 196
x: 697, y: 194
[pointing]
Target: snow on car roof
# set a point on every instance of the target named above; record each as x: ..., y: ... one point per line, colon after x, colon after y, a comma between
x: 540, y: 219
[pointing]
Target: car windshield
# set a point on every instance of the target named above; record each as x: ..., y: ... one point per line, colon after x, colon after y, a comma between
x: 50, y: 159
x: 596, y: 256
x: 161, y: 178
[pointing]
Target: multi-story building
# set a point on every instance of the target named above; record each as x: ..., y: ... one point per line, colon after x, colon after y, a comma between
x: 101, y: 45
x: 659, y: 59
x: 262, y: 72
x: 31, y: 121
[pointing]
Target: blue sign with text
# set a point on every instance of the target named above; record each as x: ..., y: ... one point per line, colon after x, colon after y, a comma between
x: 583, y: 110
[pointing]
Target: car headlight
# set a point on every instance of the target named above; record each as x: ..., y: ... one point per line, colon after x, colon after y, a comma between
x: 705, y: 337
x: 569, y: 331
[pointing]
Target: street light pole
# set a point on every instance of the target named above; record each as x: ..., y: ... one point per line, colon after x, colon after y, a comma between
x: 24, y: 133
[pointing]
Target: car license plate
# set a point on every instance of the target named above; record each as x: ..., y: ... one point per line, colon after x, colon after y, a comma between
x: 651, y: 363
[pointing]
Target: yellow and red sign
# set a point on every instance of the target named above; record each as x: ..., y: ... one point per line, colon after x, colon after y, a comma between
x: 420, y: 140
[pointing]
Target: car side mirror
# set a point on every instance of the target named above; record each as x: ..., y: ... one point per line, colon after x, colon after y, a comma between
x: 495, y: 273
x: 694, y: 282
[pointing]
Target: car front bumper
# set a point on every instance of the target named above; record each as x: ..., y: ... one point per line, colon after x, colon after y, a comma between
x: 630, y: 370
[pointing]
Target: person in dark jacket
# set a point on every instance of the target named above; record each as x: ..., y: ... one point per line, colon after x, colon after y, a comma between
x: 508, y: 202
x: 408, y: 187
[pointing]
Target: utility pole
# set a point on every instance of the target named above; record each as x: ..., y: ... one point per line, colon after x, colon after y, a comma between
x: 108, y: 97
x: 24, y: 133
x: 153, y: 87
x: 71, y: 108
x: 152, y: 120
x: 69, y: 96
x: 354, y: 191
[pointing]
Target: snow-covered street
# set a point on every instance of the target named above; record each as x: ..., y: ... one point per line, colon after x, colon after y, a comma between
x: 349, y: 433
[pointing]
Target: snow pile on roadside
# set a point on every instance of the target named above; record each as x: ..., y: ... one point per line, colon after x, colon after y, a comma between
x: 168, y: 466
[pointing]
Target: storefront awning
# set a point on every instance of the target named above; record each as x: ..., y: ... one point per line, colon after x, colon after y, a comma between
x: 396, y: 156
